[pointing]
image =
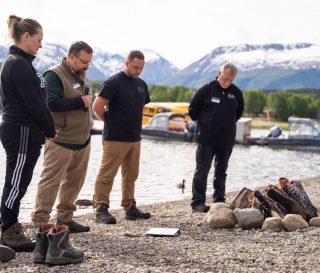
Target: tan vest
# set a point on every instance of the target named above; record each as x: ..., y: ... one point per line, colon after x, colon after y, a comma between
x: 73, y: 126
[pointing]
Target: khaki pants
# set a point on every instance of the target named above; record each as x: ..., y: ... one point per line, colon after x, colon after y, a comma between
x: 63, y: 175
x: 116, y: 154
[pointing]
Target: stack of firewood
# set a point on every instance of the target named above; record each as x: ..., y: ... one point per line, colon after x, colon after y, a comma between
x: 286, y: 197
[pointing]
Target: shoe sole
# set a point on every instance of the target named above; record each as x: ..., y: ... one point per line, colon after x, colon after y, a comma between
x: 132, y: 218
x: 39, y: 260
x: 61, y: 261
x: 78, y: 231
x: 198, y: 211
x: 20, y: 249
x: 106, y: 223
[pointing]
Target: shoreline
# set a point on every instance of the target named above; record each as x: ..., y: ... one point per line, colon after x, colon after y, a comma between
x: 124, y: 247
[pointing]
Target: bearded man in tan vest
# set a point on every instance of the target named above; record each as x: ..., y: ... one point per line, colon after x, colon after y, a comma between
x: 66, y: 157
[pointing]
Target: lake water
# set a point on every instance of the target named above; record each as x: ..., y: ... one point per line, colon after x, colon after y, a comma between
x: 164, y: 164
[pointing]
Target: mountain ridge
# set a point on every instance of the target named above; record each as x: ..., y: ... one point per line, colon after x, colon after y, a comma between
x: 264, y: 66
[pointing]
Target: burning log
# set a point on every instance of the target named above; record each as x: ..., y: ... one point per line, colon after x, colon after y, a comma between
x: 296, y: 191
x: 284, y: 198
x: 286, y: 201
x: 269, y: 207
x: 243, y: 199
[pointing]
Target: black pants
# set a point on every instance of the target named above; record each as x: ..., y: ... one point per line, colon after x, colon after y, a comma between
x: 204, y: 157
x: 22, y: 145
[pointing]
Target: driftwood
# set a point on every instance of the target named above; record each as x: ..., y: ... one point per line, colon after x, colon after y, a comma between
x: 84, y: 202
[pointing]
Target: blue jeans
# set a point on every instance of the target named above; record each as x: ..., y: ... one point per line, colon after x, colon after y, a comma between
x: 204, y: 157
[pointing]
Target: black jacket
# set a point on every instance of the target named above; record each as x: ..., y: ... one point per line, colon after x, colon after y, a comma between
x: 216, y: 111
x: 23, y: 93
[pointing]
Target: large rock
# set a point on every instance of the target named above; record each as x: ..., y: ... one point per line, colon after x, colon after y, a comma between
x: 315, y: 222
x: 292, y: 222
x: 220, y: 216
x: 272, y: 223
x: 219, y: 205
x: 249, y: 218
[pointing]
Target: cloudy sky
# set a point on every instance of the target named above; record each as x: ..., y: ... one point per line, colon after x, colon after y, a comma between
x: 182, y: 31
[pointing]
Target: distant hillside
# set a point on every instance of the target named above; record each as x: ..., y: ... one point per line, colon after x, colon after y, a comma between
x: 157, y: 69
x: 267, y: 66
x: 270, y: 66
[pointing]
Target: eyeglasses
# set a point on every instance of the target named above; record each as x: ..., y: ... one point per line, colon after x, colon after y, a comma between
x: 84, y: 62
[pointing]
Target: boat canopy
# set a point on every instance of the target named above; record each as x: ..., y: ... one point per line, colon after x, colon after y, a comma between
x: 303, y: 127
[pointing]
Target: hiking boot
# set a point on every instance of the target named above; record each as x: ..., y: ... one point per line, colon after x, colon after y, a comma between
x: 16, y: 238
x: 40, y: 251
x: 135, y: 214
x: 60, y: 251
x: 6, y: 254
x: 74, y: 227
x: 202, y: 207
x: 103, y: 216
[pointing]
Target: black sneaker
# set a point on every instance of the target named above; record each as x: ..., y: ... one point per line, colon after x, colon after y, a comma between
x: 202, y: 207
x: 103, y: 216
x: 74, y: 227
x: 136, y: 214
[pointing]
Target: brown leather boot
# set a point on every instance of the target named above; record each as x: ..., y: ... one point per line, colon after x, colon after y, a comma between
x: 16, y: 238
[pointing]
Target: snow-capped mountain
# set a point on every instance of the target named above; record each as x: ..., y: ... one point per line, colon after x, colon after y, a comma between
x: 156, y: 71
x: 269, y: 66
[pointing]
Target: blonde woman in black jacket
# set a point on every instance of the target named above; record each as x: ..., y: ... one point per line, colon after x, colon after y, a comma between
x: 26, y: 123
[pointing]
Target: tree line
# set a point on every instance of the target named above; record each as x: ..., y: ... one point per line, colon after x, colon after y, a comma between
x: 283, y: 103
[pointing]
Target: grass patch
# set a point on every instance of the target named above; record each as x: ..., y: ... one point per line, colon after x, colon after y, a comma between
x: 262, y: 123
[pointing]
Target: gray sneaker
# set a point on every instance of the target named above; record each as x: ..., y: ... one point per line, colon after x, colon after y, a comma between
x: 103, y: 215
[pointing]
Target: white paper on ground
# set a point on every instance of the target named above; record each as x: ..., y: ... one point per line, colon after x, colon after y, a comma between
x: 171, y: 232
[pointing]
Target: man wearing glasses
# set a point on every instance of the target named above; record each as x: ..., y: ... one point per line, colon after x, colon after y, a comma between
x: 216, y: 107
x: 66, y: 158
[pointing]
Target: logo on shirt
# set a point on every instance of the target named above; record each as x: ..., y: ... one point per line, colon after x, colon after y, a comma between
x: 231, y: 96
x: 42, y: 80
x: 140, y: 89
x: 215, y: 100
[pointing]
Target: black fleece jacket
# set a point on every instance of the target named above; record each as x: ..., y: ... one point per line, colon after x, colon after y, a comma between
x: 23, y: 93
x: 216, y: 111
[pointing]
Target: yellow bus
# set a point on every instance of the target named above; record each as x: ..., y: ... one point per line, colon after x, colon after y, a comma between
x: 153, y: 108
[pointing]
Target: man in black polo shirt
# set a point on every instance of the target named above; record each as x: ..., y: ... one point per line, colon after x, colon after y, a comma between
x: 216, y: 107
x: 120, y: 105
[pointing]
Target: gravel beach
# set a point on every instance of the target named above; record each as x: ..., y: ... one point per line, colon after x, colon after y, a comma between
x: 124, y: 247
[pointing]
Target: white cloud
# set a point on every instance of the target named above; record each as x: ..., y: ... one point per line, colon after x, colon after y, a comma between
x: 180, y: 30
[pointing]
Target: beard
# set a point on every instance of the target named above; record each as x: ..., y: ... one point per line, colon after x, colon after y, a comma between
x: 81, y: 72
